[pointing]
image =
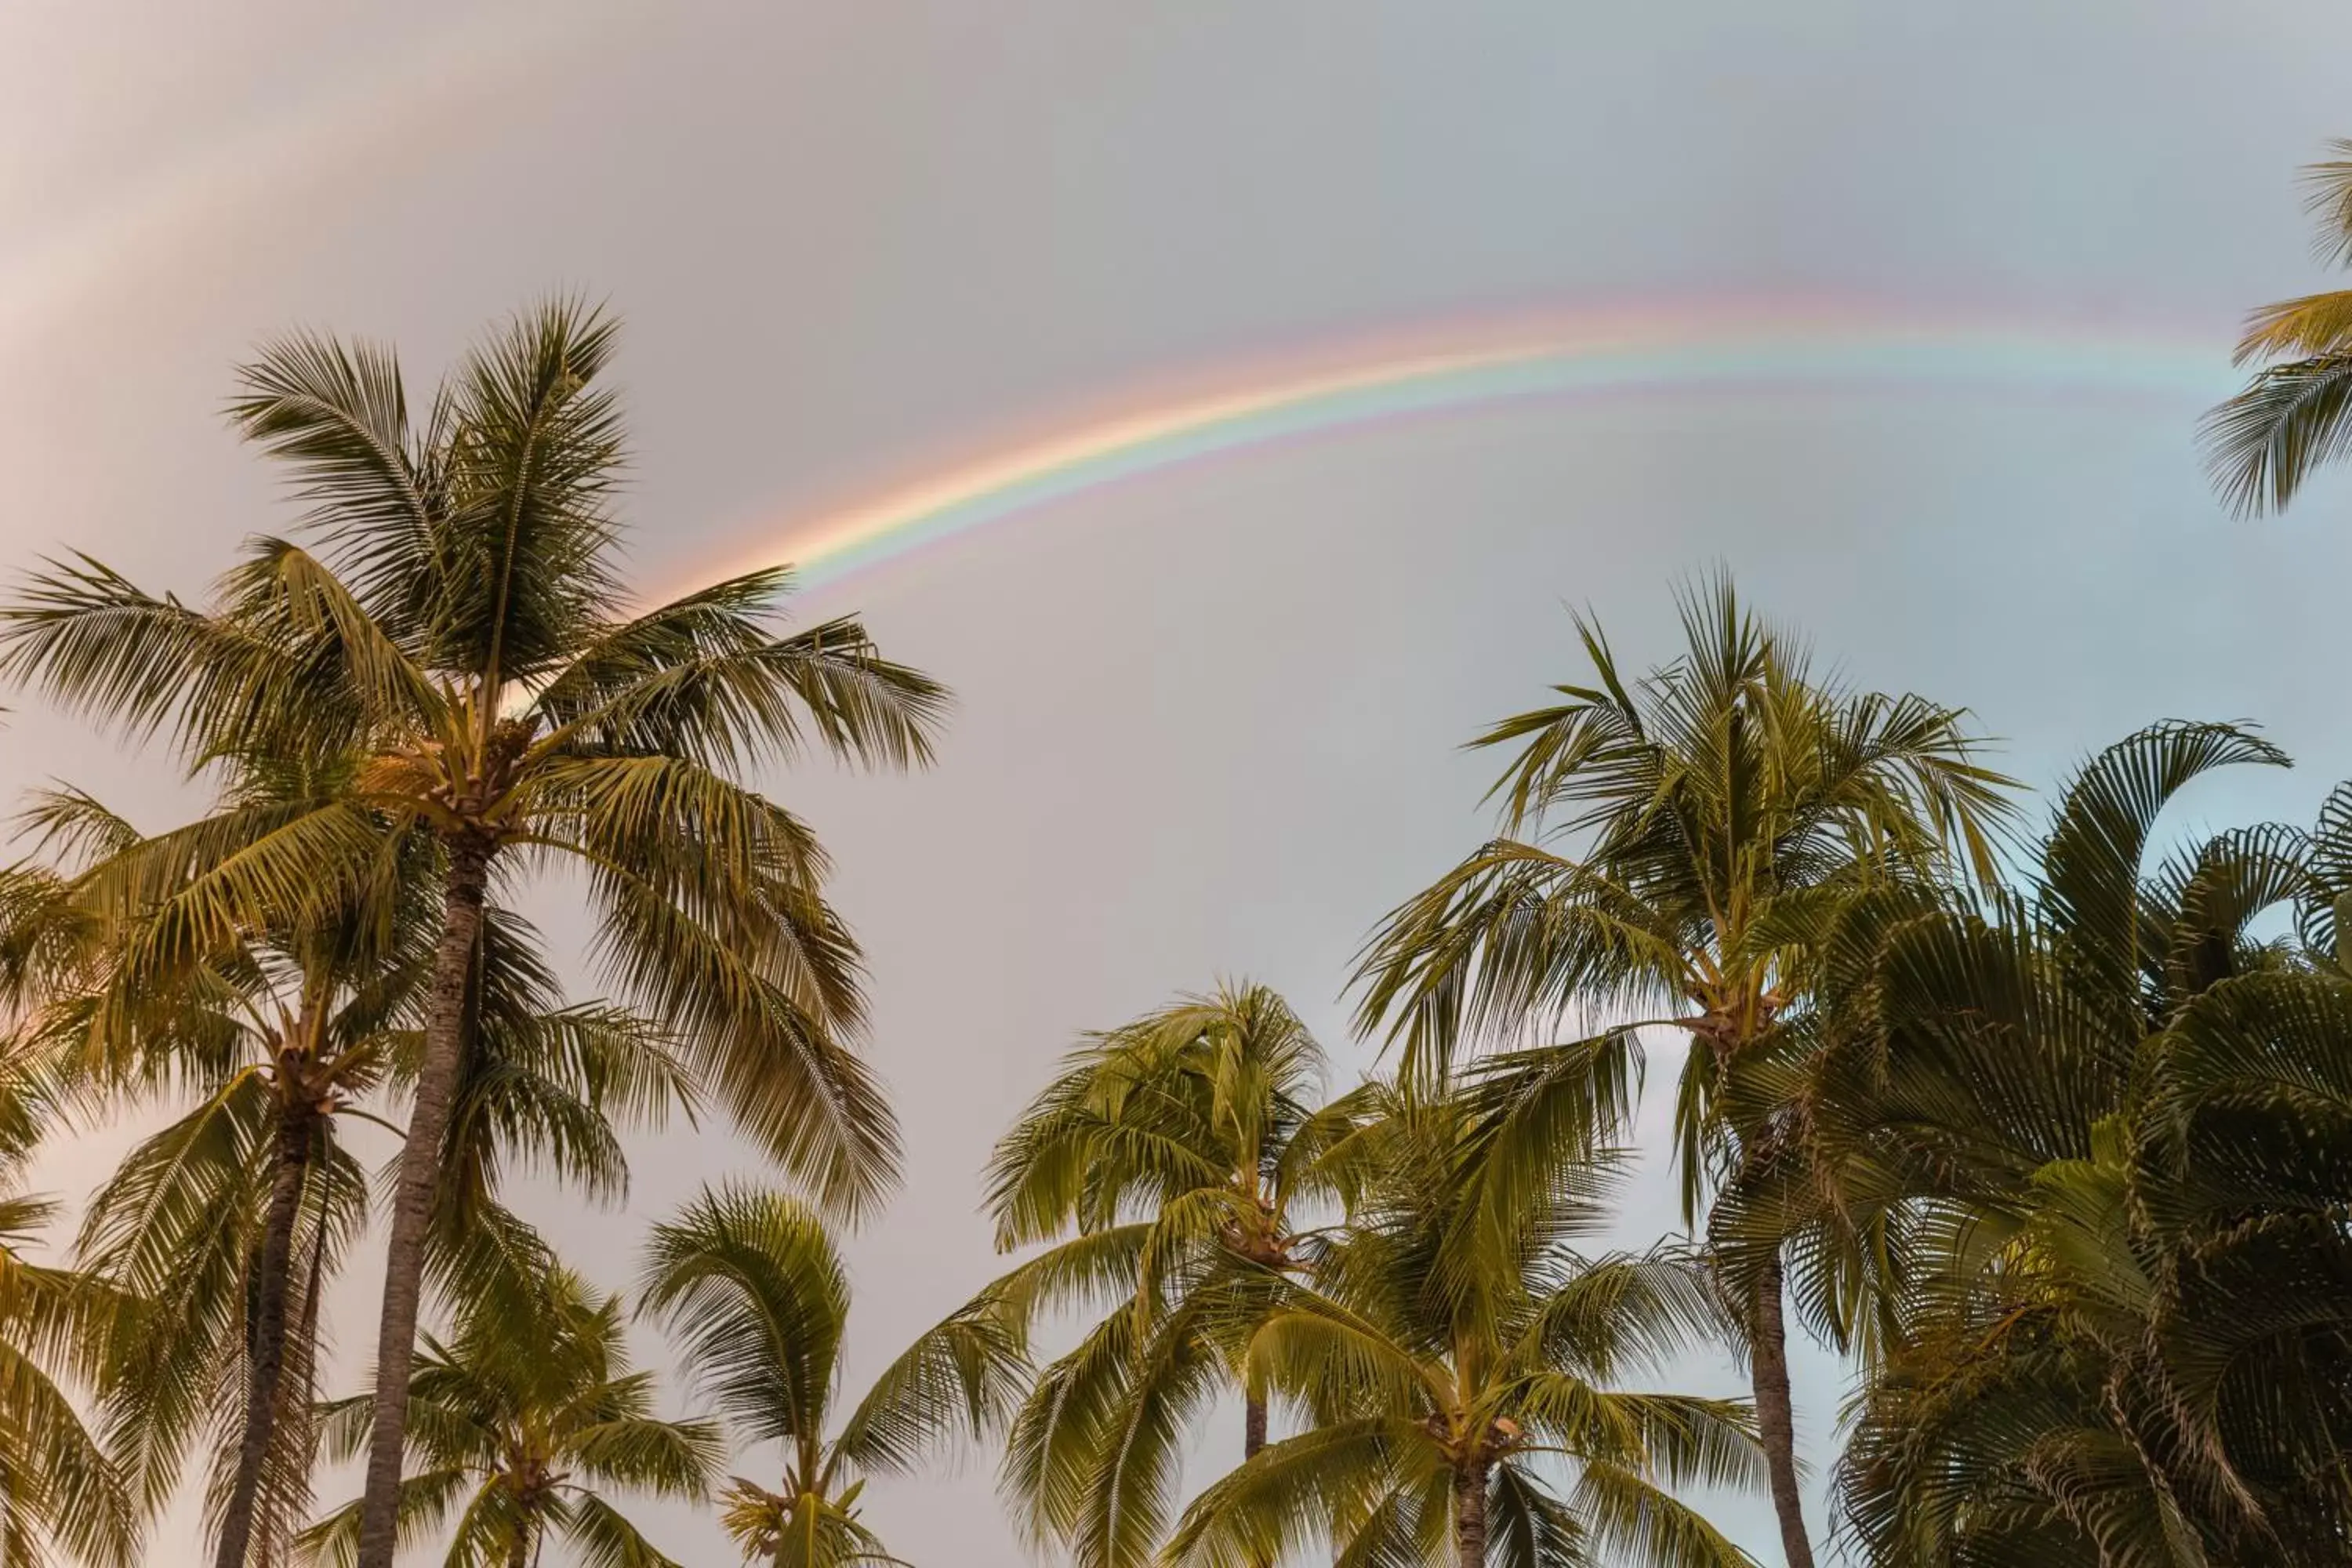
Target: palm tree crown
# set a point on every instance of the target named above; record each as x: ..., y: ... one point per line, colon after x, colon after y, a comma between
x: 2115, y: 1110
x: 1177, y: 1162
x: 462, y: 632
x: 1456, y: 1362
x: 522, y: 1425
x: 758, y: 1298
x: 1671, y: 847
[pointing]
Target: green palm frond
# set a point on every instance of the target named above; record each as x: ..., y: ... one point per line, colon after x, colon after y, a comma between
x: 962, y: 1377
x: 521, y: 1422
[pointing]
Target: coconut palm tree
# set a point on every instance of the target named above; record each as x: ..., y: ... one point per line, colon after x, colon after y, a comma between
x: 1176, y: 1163
x: 755, y: 1292
x: 2296, y: 413
x: 59, y: 1488
x: 522, y: 1424
x: 2119, y: 1108
x: 230, y: 1222
x: 462, y: 630
x: 1669, y: 849
x: 226, y: 1224
x: 1459, y: 1367
x: 58, y: 1485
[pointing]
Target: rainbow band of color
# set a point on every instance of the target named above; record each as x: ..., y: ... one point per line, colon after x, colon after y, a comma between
x: 1652, y: 357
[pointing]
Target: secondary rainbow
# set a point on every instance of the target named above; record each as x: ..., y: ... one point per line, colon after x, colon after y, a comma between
x: 1464, y: 368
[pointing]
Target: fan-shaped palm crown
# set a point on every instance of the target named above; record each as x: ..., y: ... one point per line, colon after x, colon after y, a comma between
x: 2296, y: 413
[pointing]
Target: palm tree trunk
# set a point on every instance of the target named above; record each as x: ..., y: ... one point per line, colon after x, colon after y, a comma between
x: 468, y: 879
x: 267, y: 1356
x: 1253, y: 1427
x: 1470, y: 1516
x: 1775, y: 1415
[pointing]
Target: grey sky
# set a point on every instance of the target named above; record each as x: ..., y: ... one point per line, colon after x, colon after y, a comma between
x: 1207, y: 718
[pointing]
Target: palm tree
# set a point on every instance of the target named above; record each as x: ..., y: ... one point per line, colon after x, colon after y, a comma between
x: 230, y: 1222
x: 2296, y: 413
x: 756, y: 1293
x: 523, y: 1422
x: 462, y: 630
x: 1458, y: 1360
x: 1669, y: 850
x: 58, y: 1485
x: 226, y: 1224
x: 2120, y: 1111
x: 1175, y: 1162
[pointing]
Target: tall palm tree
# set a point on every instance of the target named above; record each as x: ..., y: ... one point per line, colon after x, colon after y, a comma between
x: 463, y: 631
x: 1175, y: 1162
x: 1458, y: 1361
x: 1668, y: 849
x: 2120, y: 1108
x: 2296, y: 413
x: 227, y: 1222
x: 523, y: 1422
x: 58, y: 1484
x: 230, y: 1222
x: 756, y: 1294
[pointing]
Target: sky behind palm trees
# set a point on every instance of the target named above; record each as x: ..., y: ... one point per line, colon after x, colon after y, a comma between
x: 1207, y: 716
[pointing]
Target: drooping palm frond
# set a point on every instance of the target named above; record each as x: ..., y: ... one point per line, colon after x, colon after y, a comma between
x: 2294, y: 417
x: 755, y: 1292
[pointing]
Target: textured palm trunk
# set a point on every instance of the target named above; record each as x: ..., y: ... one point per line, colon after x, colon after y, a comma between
x: 412, y: 1198
x: 1253, y: 1427
x: 266, y: 1354
x: 1470, y: 1517
x: 1775, y: 1415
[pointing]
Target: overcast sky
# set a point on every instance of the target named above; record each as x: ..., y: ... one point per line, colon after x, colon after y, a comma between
x: 1207, y: 718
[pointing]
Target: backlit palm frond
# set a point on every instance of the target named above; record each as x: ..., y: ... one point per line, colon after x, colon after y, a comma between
x: 2294, y: 417
x: 961, y: 1378
x: 533, y: 458
x: 755, y: 1293
x: 101, y: 647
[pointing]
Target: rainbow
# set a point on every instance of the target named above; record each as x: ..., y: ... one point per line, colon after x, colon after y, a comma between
x: 1774, y: 348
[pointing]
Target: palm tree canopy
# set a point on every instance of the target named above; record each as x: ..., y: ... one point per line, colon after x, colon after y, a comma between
x: 2105, y: 1112
x: 458, y: 629
x: 1457, y: 1359
x: 1171, y: 1162
x: 521, y: 1427
x: 1669, y: 847
x: 757, y: 1297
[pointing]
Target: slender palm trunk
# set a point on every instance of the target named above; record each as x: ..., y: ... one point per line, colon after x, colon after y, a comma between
x: 266, y: 1354
x: 1775, y: 1415
x: 1470, y: 1516
x: 1253, y: 1427
x: 412, y: 1213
